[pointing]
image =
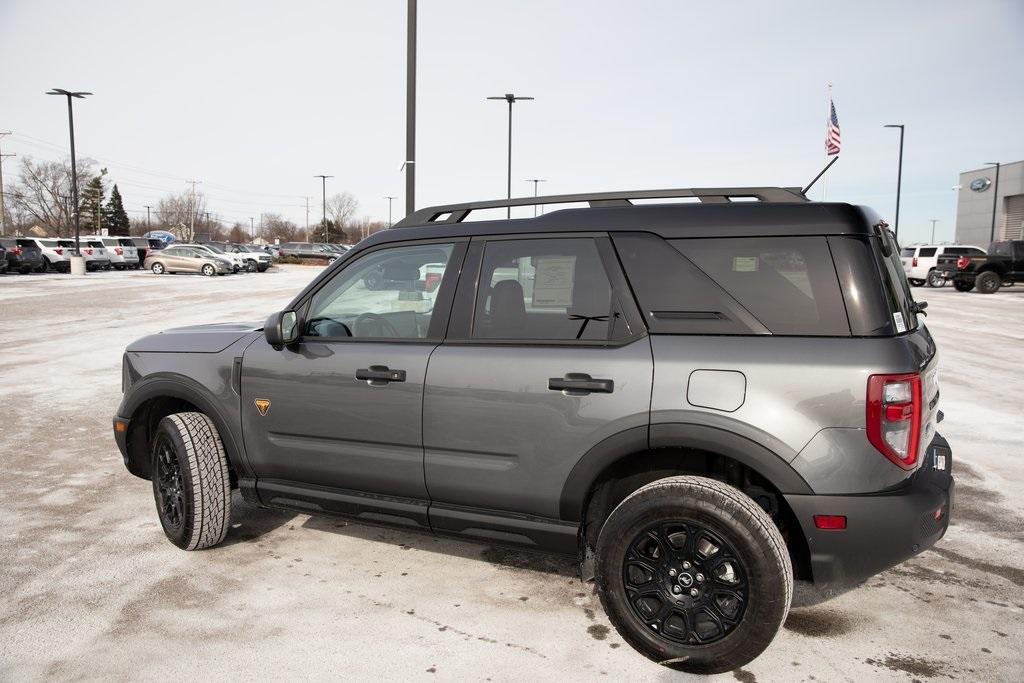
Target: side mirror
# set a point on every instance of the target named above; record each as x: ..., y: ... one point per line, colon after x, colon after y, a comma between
x: 281, y: 328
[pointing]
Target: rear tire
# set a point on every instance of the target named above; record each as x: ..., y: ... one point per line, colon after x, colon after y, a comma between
x: 45, y: 266
x: 747, y: 575
x: 915, y: 283
x: 988, y: 282
x: 191, y: 484
x: 935, y: 279
x: 158, y: 268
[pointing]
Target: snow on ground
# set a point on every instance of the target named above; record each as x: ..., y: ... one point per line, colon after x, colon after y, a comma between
x: 90, y: 588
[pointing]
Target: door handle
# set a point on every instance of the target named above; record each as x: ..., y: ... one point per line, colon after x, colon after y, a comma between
x: 580, y: 384
x: 379, y: 375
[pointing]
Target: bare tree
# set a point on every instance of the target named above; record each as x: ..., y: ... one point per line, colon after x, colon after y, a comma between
x: 43, y: 193
x: 178, y: 214
x: 364, y: 227
x: 275, y: 227
x: 341, y: 209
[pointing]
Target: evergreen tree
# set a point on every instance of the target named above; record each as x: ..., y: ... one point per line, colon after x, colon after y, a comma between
x: 91, y: 211
x: 116, y: 219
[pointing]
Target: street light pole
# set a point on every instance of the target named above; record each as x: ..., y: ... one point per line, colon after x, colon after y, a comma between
x: 74, y: 167
x: 327, y: 230
x: 535, y: 181
x: 934, y: 221
x: 148, y: 207
x: 511, y: 99
x: 389, y: 198
x: 899, y: 177
x: 410, y: 109
x: 995, y: 197
x: 252, y: 229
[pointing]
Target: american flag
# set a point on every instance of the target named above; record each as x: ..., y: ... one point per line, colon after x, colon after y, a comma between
x: 832, y: 134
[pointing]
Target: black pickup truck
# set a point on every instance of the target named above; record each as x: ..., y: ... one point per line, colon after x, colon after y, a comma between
x: 1002, y: 265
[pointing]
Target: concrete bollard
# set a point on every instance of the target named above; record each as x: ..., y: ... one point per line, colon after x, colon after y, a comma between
x: 78, y: 265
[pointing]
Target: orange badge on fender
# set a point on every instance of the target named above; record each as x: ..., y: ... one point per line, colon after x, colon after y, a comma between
x: 262, y: 405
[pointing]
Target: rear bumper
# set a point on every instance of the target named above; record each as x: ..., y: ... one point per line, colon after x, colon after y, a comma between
x: 883, y: 529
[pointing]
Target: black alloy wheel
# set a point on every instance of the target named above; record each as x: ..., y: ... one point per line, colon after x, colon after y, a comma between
x: 169, y: 485
x: 685, y: 582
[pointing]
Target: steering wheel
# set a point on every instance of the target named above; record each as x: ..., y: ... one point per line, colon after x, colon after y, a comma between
x: 382, y: 324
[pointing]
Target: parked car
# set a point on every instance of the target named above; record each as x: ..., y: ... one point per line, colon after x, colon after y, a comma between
x: 236, y: 260
x: 309, y: 250
x: 920, y: 261
x: 23, y: 254
x: 121, y: 251
x: 96, y: 255
x: 254, y: 257
x: 3, y: 258
x: 188, y: 258
x: 704, y: 402
x: 55, y: 255
x: 272, y: 249
x: 1003, y: 265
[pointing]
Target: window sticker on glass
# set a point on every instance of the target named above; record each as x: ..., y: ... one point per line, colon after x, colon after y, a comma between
x: 552, y: 284
x: 744, y: 264
x: 901, y: 326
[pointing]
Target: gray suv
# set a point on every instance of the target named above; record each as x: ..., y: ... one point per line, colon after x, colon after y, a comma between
x: 704, y: 402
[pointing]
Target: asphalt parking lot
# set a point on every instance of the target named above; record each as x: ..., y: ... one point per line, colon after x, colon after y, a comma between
x: 91, y: 589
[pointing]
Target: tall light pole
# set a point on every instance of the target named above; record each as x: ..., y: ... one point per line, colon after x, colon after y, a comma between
x: 995, y: 197
x: 410, y: 109
x: 327, y: 230
x: 899, y: 177
x: 511, y: 99
x: 934, y: 221
x: 148, y: 207
x: 74, y: 167
x: 389, y: 198
x: 535, y: 181
x: 3, y: 210
x: 252, y: 229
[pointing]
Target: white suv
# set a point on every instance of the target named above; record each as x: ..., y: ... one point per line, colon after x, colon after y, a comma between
x: 123, y: 253
x: 919, y: 261
x: 56, y: 253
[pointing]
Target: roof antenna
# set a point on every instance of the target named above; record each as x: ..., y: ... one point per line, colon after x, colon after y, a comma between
x: 811, y: 184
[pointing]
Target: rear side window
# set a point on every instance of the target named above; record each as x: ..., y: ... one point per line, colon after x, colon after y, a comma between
x: 27, y: 243
x: 908, y: 251
x: 788, y: 283
x: 927, y: 252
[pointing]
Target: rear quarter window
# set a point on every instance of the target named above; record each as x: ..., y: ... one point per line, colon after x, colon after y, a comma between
x: 788, y: 283
x: 908, y: 251
x: 927, y: 252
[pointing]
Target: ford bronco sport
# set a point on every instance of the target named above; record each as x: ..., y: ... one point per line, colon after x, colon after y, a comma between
x: 704, y: 402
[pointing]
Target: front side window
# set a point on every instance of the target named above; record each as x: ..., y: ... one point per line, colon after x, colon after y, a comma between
x: 547, y: 290
x: 386, y: 294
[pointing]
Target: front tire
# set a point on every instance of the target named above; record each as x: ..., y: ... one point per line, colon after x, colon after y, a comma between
x: 250, y: 266
x: 191, y: 484
x: 988, y: 282
x: 962, y: 286
x: 719, y: 549
x: 209, y: 270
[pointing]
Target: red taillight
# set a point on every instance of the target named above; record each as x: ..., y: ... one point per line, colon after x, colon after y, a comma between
x: 59, y: 251
x: 88, y: 252
x: 914, y: 262
x: 894, y: 417
x: 118, y: 250
x: 962, y: 262
x: 431, y: 281
x: 830, y: 522
x: 17, y: 251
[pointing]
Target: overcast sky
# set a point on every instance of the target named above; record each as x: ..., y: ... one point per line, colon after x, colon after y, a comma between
x: 253, y: 98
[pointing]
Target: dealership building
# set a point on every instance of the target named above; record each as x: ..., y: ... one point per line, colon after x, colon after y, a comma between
x: 974, y: 206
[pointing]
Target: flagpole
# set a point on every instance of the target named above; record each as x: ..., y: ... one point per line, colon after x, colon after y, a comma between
x: 828, y: 119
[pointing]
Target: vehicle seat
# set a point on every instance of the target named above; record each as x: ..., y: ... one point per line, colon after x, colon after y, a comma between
x: 507, y: 311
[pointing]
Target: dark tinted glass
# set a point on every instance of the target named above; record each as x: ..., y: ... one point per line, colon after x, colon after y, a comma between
x: 927, y: 251
x: 544, y: 289
x: 908, y: 251
x: 1001, y: 248
x: 953, y: 251
x: 788, y: 283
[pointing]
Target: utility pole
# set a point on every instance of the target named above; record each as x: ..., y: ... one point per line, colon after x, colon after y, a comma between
x: 327, y: 230
x: 934, y: 221
x: 389, y: 198
x: 899, y: 177
x: 995, y: 197
x: 535, y: 181
x: 3, y: 209
x: 74, y: 167
x: 252, y: 229
x: 148, y: 207
x: 511, y: 99
x: 307, y: 215
x: 192, y: 210
x: 410, y: 109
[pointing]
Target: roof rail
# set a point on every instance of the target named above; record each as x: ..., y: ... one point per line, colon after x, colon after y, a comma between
x: 456, y: 213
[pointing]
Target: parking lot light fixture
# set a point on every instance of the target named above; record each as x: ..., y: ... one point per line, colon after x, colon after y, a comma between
x: 899, y: 178
x: 535, y: 181
x: 511, y: 99
x: 69, y: 94
x: 995, y: 197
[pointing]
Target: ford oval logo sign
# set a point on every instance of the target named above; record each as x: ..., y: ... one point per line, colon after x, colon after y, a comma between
x: 980, y: 184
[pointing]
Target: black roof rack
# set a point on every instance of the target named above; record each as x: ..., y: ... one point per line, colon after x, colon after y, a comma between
x: 456, y: 213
